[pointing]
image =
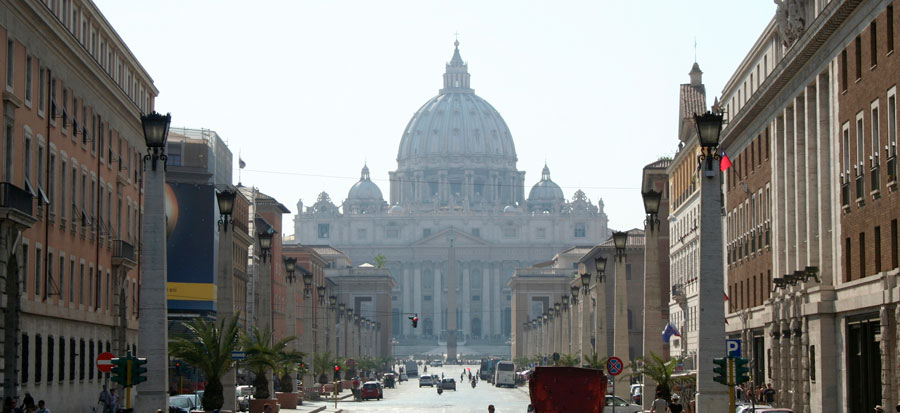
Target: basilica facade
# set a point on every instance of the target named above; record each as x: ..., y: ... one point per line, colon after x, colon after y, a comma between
x: 457, y: 221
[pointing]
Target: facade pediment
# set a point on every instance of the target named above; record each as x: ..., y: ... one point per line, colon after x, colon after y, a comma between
x: 442, y: 239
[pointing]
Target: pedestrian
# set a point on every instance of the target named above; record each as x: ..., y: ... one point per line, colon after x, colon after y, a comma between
x: 42, y: 408
x: 28, y: 402
x: 675, y: 406
x: 769, y: 394
x: 106, y: 399
x: 490, y: 408
x: 659, y: 405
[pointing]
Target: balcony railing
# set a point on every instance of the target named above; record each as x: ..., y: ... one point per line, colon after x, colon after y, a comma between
x: 16, y: 198
x: 123, y: 250
x: 678, y: 290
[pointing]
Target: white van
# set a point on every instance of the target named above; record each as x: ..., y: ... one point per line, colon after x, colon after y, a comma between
x: 505, y: 374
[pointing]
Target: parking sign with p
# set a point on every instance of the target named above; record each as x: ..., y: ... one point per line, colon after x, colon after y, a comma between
x: 733, y: 348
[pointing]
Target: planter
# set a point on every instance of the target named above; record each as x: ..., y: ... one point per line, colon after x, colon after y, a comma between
x: 288, y: 400
x: 256, y: 405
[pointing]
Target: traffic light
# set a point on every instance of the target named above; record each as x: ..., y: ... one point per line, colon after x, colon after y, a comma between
x: 721, y: 370
x: 337, y: 372
x: 415, y: 320
x: 178, y: 367
x: 138, y: 370
x: 741, y: 370
x: 120, y: 371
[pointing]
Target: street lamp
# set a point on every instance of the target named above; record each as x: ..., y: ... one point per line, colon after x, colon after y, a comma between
x: 341, y: 309
x: 620, y: 239
x: 600, y: 265
x: 585, y: 281
x: 290, y: 265
x: 565, y: 301
x: 225, y: 198
x: 557, y: 307
x: 307, y: 281
x: 265, y: 242
x: 709, y: 126
x: 332, y: 300
x: 156, y: 133
x: 321, y: 291
x: 575, y: 290
x: 651, y: 207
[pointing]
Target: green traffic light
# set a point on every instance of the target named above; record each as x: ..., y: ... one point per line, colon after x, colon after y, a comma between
x: 741, y: 370
x: 138, y: 370
x: 120, y: 371
x: 721, y: 370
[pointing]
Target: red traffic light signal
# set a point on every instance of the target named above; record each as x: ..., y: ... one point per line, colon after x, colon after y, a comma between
x: 415, y: 320
x: 337, y: 368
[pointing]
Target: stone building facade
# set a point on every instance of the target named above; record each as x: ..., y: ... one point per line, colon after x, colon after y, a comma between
x: 72, y: 98
x: 811, y: 119
x: 456, y: 179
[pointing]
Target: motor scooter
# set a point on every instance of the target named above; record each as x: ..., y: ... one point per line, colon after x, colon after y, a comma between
x: 473, y: 384
x: 440, y: 389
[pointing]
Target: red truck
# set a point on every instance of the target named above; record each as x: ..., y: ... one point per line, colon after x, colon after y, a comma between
x: 567, y: 389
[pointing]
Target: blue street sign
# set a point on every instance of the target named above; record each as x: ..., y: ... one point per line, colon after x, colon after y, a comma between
x: 238, y: 355
x: 733, y: 347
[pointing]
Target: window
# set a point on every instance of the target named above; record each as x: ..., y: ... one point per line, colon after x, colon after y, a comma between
x: 97, y: 291
x: 894, y: 245
x: 29, y: 80
x: 50, y: 351
x: 392, y: 233
x: 38, y: 358
x: 892, y: 124
x: 24, y: 365
x: 844, y: 71
x: 91, y: 357
x: 71, y: 360
x: 63, y: 179
x: 862, y: 254
x: 476, y: 232
x: 62, y: 278
x: 860, y: 143
x: 324, y: 230
x: 72, y: 281
x: 52, y: 185
x: 579, y: 230
x: 890, y: 28
x: 37, y: 271
x: 10, y: 63
x: 877, y: 250
x: 25, y: 267
x: 82, y: 358
x: 848, y: 274
x: 426, y: 232
x: 846, y: 147
x: 876, y: 136
x: 361, y: 234
x: 858, y: 57
x: 509, y: 232
x: 8, y: 158
x: 28, y: 166
x: 541, y: 233
x: 873, y: 42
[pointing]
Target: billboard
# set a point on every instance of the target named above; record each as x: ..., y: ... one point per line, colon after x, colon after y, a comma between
x: 191, y: 235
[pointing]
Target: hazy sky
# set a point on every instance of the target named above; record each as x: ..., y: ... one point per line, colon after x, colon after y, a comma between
x: 307, y: 91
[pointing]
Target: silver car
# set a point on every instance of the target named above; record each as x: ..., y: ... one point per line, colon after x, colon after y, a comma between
x: 621, y: 405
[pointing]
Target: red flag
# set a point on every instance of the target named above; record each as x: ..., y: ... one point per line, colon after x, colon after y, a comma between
x: 726, y: 295
x: 724, y: 163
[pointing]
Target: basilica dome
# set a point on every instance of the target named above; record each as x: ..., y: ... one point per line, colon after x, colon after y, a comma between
x: 546, y: 189
x: 365, y: 189
x: 457, y: 124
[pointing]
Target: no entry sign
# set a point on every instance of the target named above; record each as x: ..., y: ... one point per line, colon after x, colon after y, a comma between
x: 104, y: 362
x: 614, y: 366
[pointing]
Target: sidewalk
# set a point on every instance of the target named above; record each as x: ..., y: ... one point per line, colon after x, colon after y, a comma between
x: 324, y: 406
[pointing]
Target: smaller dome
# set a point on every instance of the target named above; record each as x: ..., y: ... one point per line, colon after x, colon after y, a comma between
x: 365, y: 189
x: 396, y: 210
x: 546, y: 189
x: 511, y: 209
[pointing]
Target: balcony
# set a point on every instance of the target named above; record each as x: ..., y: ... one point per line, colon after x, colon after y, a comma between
x: 123, y: 254
x: 17, y: 205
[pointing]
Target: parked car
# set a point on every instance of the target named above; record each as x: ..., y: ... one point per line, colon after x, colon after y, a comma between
x: 622, y: 406
x: 437, y: 363
x: 389, y: 380
x: 372, y: 390
x: 426, y: 381
x: 748, y: 408
x: 182, y: 403
x: 243, y: 394
x: 448, y: 384
x: 637, y: 391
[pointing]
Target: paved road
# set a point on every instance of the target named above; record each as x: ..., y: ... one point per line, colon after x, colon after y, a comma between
x: 408, y: 397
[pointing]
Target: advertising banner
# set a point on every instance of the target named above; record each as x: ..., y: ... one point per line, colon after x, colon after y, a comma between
x: 191, y: 236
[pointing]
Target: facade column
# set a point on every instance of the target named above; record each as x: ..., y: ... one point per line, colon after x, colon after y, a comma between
x: 438, y: 302
x: 417, y: 295
x: 653, y: 321
x: 804, y: 366
x: 621, y: 336
x: 153, y: 332
x: 795, y: 364
x: 497, y: 300
x: 711, y: 330
x: 225, y: 302
x: 585, y: 309
x: 600, y: 319
x: 486, y: 302
x: 784, y: 395
x: 406, y: 296
x: 466, y: 297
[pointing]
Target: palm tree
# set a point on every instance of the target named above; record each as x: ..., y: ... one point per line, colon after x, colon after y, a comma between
x: 567, y: 360
x: 263, y: 355
x: 322, y: 364
x: 286, y: 362
x: 596, y: 362
x: 210, y: 351
x: 657, y: 369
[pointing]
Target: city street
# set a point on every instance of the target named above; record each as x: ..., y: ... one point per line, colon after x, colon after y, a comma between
x: 408, y: 397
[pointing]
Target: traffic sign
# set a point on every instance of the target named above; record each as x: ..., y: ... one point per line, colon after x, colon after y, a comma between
x: 733, y: 347
x: 104, y: 362
x: 238, y: 355
x: 351, y: 363
x: 614, y: 366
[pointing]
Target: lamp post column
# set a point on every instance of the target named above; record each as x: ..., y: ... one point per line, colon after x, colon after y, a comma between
x: 653, y: 321
x: 600, y: 338
x: 585, y: 305
x: 710, y: 326
x: 621, y: 339
x: 225, y: 283
x: 153, y: 333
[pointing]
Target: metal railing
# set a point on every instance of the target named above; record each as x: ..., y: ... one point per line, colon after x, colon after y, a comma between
x: 16, y: 198
x: 122, y: 249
